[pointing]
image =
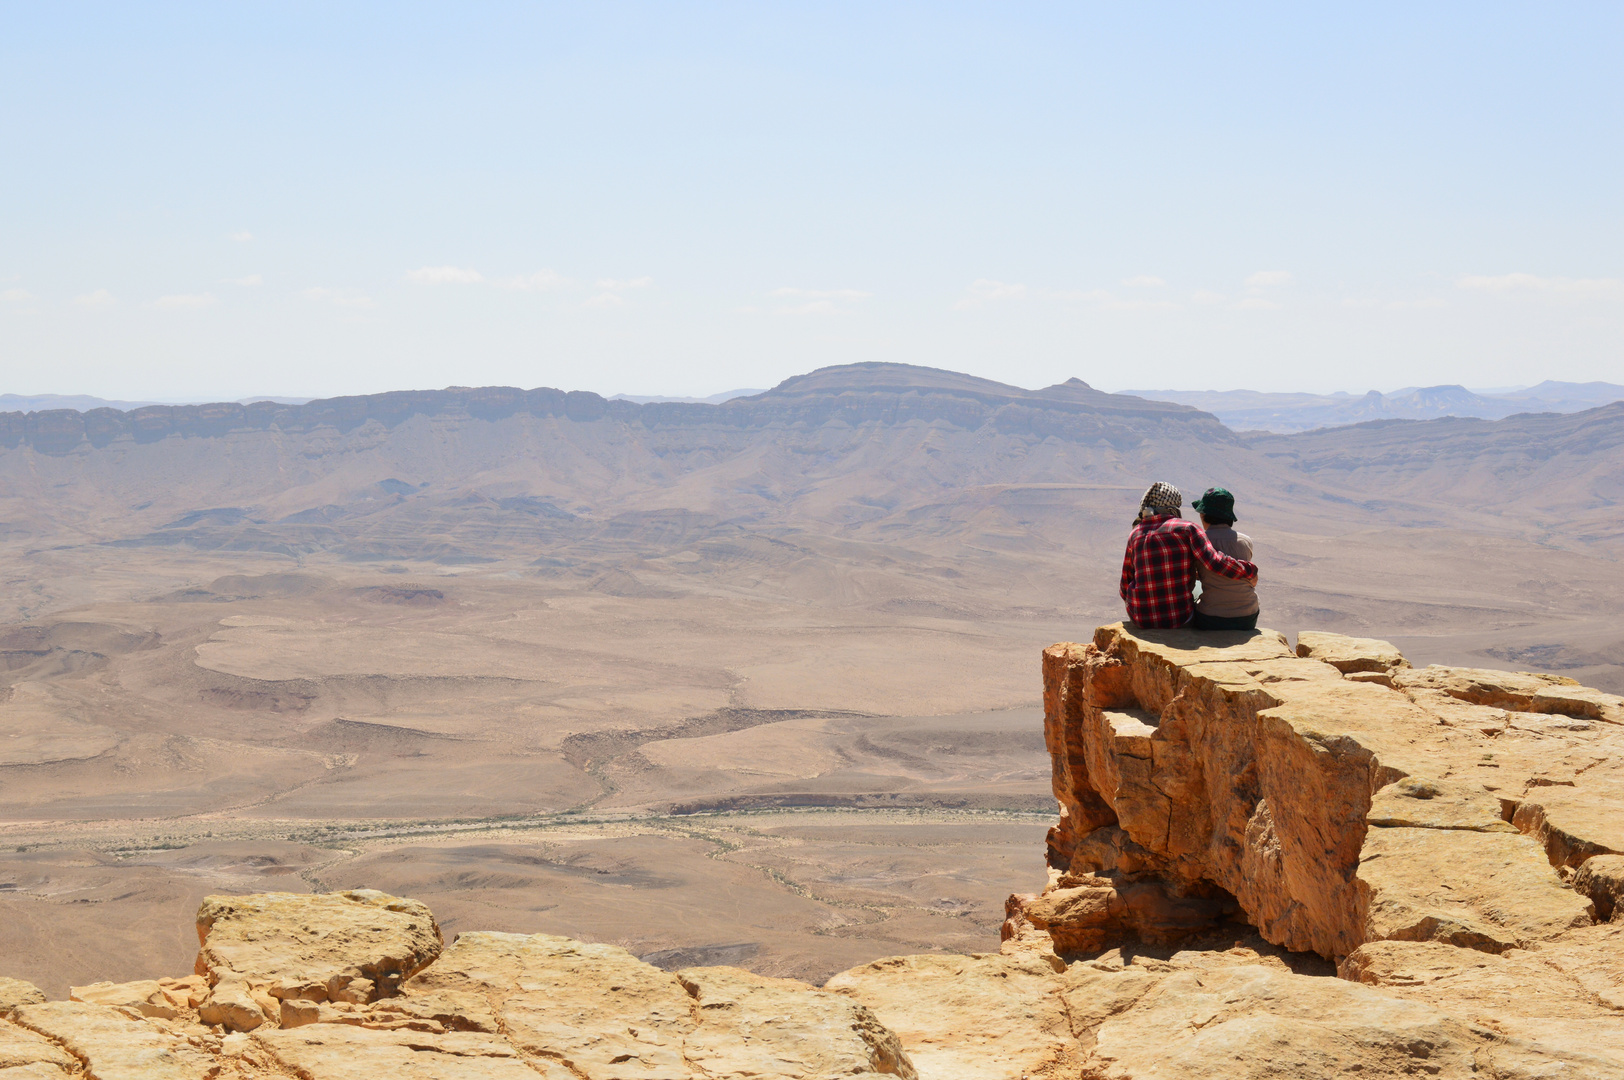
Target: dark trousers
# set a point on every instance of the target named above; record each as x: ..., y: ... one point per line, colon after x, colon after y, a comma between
x: 1215, y: 622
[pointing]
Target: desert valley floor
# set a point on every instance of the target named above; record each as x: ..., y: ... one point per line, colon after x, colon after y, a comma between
x: 761, y: 695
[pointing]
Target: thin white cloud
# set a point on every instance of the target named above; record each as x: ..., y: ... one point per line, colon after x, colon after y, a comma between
x: 344, y: 298
x: 1206, y: 297
x: 99, y: 298
x: 604, y: 300
x: 445, y: 275
x: 182, y: 301
x: 1257, y: 303
x: 823, y: 294
x: 1144, y: 281
x: 1264, y: 279
x: 615, y: 285
x: 242, y: 237
x: 986, y: 290
x: 817, y: 301
x: 247, y: 282
x: 16, y: 296
x: 540, y: 281
x: 1104, y: 298
x: 1577, y: 288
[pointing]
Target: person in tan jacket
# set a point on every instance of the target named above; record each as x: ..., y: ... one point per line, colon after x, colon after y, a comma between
x: 1225, y: 603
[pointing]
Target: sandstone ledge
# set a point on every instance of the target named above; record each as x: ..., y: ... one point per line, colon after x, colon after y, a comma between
x: 1237, y: 821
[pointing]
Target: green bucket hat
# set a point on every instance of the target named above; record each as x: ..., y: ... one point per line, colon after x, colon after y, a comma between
x: 1217, y: 504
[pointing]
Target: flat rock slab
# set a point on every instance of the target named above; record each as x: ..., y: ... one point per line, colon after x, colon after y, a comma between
x: 339, y: 1052
x: 1350, y: 654
x: 1521, y: 691
x: 1416, y: 802
x: 594, y: 1009
x: 23, y: 1049
x: 1252, y: 1021
x: 1558, y: 1009
x: 1476, y: 890
x: 116, y: 1046
x: 971, y: 1017
x: 1594, y: 955
x: 1472, y: 985
x: 753, y: 1026
x: 600, y: 1013
x: 1579, y: 822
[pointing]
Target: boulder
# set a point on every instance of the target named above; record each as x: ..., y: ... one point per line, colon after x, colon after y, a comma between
x: 1350, y: 654
x: 15, y: 992
x: 1601, y: 877
x: 352, y: 946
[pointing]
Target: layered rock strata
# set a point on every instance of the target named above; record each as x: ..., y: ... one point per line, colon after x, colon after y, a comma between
x: 1436, y: 831
x: 1239, y: 820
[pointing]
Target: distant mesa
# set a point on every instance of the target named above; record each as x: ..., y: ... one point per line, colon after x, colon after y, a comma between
x: 1250, y: 410
x: 851, y: 393
x: 846, y: 393
x: 84, y: 402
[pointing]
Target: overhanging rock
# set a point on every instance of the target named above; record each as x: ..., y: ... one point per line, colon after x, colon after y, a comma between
x: 1208, y: 776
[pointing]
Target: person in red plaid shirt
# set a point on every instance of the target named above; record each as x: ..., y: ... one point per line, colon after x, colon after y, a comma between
x: 1160, y: 566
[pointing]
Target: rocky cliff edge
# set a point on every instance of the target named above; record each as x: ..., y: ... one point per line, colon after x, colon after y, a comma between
x: 1318, y: 862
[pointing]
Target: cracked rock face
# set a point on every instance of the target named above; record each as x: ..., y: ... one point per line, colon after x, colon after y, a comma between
x: 1333, y: 809
x: 1238, y: 820
x: 1449, y: 835
x: 490, y: 1006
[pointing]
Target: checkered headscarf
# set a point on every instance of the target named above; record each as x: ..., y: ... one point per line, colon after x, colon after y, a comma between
x: 1161, y: 499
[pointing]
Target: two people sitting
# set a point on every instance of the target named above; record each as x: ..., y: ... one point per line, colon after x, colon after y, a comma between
x: 1167, y: 556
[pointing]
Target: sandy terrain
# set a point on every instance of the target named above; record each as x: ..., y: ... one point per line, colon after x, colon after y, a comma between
x: 765, y: 691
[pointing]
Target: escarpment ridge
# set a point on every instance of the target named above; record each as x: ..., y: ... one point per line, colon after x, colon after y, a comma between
x: 851, y: 394
x: 1241, y: 822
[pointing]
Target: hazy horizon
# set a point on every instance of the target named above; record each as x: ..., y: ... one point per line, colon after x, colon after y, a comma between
x: 635, y: 395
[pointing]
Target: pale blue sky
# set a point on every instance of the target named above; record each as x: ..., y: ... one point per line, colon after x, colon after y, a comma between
x: 211, y: 200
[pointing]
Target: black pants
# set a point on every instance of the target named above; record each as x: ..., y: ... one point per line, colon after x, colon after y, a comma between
x: 1216, y: 622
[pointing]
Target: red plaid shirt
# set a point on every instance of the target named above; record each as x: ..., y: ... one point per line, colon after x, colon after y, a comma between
x: 1159, y: 570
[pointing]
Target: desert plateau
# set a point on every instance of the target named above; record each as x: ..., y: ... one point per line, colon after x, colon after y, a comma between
x: 751, y: 683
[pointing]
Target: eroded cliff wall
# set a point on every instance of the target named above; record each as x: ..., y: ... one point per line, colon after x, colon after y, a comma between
x: 1330, y: 795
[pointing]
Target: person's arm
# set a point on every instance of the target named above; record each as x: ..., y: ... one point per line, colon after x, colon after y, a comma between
x: 1217, y: 561
x: 1127, y: 567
